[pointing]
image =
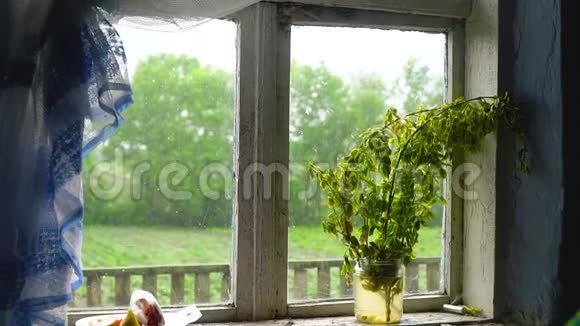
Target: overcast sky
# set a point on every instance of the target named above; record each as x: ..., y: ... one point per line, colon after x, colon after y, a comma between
x: 346, y: 51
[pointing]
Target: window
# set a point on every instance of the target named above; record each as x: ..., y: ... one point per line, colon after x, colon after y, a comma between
x: 342, y: 79
x: 250, y: 228
x: 159, y: 193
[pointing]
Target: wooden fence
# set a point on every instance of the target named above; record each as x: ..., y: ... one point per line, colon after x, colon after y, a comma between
x: 308, y: 280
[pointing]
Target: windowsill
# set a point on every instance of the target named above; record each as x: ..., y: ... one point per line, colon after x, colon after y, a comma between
x: 421, y: 318
x: 428, y: 318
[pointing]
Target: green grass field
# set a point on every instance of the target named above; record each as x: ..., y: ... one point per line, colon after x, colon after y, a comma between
x: 116, y: 246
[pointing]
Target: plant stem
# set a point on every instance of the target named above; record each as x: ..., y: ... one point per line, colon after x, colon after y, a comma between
x: 388, y: 302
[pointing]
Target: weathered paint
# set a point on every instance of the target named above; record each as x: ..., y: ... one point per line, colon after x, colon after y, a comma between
x: 479, y: 207
x: 453, y: 226
x: 263, y: 130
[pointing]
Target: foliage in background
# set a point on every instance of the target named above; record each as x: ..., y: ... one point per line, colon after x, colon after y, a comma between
x: 184, y: 112
x: 327, y: 114
x: 383, y: 191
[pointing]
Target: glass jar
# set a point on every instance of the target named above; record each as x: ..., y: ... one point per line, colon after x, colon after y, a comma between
x: 378, y: 291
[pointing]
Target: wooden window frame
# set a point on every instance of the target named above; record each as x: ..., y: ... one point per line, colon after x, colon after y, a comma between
x: 453, y: 27
x: 260, y: 237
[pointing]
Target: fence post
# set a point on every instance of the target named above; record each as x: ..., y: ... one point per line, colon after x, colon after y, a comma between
x: 93, y: 290
x: 177, y: 287
x: 412, y: 278
x: 342, y: 287
x: 150, y: 283
x: 202, y: 284
x: 225, y: 286
x: 74, y: 301
x: 300, y: 283
x: 433, y: 277
x: 323, y: 281
x: 122, y: 289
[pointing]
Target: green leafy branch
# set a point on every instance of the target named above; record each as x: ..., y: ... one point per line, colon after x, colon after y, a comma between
x: 383, y: 191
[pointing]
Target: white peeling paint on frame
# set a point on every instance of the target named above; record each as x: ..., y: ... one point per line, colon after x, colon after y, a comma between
x: 480, y: 214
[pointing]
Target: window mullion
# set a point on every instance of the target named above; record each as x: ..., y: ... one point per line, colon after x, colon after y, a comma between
x: 260, y: 282
x: 453, y: 228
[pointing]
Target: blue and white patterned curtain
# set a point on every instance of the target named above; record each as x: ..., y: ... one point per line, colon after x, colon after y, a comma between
x: 78, y: 92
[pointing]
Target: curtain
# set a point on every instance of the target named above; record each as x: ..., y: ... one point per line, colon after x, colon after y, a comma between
x: 63, y: 88
x: 77, y: 93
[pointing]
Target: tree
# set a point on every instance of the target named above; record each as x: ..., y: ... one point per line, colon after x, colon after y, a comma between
x: 183, y: 114
x: 418, y: 87
x: 328, y: 114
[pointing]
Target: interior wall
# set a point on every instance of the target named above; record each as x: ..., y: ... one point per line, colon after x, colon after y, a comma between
x: 530, y: 207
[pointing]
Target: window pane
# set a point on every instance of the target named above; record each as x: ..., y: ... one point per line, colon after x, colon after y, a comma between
x: 343, y: 80
x: 158, y: 194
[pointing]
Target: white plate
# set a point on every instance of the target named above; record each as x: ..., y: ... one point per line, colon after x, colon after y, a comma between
x: 105, y: 320
x: 98, y: 320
